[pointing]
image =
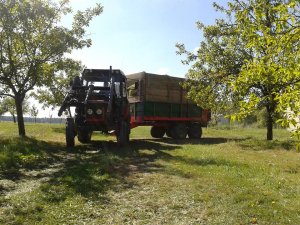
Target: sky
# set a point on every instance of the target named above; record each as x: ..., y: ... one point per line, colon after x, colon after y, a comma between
x: 140, y: 35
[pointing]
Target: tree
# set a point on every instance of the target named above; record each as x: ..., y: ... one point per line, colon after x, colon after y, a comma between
x: 34, y: 112
x: 2, y: 109
x: 54, y: 94
x: 33, y: 45
x: 248, y: 59
x: 8, y: 105
x: 290, y: 104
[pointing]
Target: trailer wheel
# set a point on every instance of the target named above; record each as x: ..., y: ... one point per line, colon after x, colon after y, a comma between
x: 168, y: 132
x: 70, y: 133
x: 178, y: 131
x: 157, y: 132
x: 84, y: 135
x: 123, y: 133
x: 195, y: 131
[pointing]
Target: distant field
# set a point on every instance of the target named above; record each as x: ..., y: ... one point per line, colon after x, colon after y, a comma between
x: 230, y: 176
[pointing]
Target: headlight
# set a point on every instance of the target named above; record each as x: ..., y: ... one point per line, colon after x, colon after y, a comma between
x: 89, y: 111
x: 99, y: 111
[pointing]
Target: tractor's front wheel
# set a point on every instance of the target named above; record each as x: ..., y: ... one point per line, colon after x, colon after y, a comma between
x: 70, y: 133
x: 84, y: 135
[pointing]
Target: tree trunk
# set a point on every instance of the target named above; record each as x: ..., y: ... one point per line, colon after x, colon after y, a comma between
x: 19, y: 108
x: 270, y: 113
x: 14, y: 118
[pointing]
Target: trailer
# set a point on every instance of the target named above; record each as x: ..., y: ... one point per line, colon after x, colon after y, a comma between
x: 160, y: 101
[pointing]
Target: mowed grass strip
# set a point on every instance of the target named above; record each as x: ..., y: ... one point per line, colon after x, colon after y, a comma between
x: 230, y: 176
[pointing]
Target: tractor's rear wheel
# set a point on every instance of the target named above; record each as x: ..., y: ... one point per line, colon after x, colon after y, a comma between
x: 195, y: 131
x: 178, y: 131
x: 84, y: 135
x: 70, y: 133
x: 157, y: 132
x: 168, y: 132
x: 122, y: 133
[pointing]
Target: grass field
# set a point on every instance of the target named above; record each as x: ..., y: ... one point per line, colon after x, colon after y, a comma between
x: 230, y: 176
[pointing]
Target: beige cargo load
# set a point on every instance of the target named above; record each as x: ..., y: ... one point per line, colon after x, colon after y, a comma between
x: 147, y: 87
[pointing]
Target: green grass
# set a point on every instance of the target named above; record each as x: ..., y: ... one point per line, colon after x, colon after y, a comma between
x: 230, y: 176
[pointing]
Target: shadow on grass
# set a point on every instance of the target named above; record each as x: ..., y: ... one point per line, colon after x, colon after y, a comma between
x: 103, y: 165
x: 26, y: 153
x: 142, y: 155
x: 264, y: 145
x: 31, y: 154
x: 202, y: 141
x: 87, y: 176
x: 91, y: 170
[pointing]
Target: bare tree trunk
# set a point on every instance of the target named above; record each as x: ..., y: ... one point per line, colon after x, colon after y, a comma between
x: 19, y: 108
x: 14, y: 118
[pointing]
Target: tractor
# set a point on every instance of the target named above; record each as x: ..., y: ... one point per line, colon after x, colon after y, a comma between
x: 101, y: 104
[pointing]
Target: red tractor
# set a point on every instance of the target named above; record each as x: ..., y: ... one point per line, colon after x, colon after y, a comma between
x: 100, y: 100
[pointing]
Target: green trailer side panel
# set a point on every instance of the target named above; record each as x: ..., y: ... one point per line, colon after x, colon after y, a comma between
x: 139, y: 109
x: 149, y: 109
x: 176, y: 110
x: 194, y: 111
x: 158, y: 109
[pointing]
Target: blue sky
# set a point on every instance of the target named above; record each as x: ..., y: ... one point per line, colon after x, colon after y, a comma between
x: 140, y: 35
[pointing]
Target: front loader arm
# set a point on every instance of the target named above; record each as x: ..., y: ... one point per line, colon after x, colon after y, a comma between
x: 65, y: 104
x: 71, y: 99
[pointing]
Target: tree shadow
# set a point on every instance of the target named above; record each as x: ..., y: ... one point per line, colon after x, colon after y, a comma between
x: 88, y: 176
x: 26, y: 153
x: 103, y: 165
x: 255, y: 144
x: 141, y: 155
x: 92, y: 169
x: 32, y: 154
x: 201, y: 141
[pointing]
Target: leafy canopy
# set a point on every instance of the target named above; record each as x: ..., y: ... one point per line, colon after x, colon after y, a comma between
x: 7, y: 105
x: 247, y: 60
x: 34, y: 46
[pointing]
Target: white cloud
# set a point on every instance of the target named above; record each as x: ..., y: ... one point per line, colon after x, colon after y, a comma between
x: 195, y: 51
x: 163, y: 71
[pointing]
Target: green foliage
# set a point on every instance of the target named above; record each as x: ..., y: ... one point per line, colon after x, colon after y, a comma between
x: 34, y: 45
x: 34, y: 111
x: 268, y: 28
x: 18, y: 153
x: 54, y: 94
x: 259, y: 119
x: 217, y: 61
x: 2, y: 108
x: 290, y: 104
x: 8, y: 105
x: 248, y: 60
